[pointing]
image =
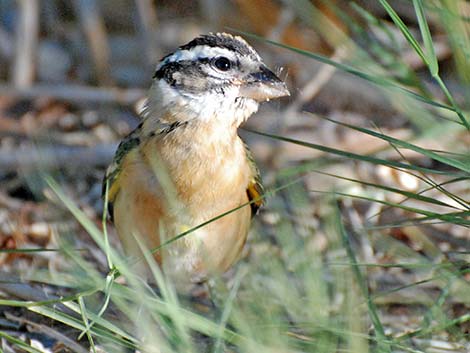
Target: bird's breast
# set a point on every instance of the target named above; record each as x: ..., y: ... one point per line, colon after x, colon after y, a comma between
x: 210, y: 179
x: 210, y: 176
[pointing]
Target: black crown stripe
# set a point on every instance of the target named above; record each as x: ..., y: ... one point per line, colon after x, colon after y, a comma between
x: 222, y: 41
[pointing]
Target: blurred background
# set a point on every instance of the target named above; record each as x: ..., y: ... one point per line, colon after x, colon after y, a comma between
x: 364, y: 242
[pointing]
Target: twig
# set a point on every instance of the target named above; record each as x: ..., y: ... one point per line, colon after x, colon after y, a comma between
x: 52, y: 21
x: 6, y: 44
x: 48, y: 331
x: 76, y: 93
x: 317, y: 82
x: 15, y: 287
x: 441, y: 47
x: 213, y: 11
x: 9, y: 202
x: 56, y: 156
x: 286, y: 17
x: 90, y: 17
x: 26, y: 43
x: 148, y: 17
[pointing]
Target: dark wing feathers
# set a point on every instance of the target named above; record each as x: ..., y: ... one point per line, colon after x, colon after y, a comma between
x: 111, y: 179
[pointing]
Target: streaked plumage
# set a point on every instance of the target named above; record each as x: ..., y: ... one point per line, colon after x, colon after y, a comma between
x: 185, y: 164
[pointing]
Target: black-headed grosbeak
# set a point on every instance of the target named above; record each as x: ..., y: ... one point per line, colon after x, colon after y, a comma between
x: 185, y: 163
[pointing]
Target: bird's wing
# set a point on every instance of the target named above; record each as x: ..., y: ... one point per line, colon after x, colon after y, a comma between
x: 130, y: 142
x: 111, y: 179
x: 254, y: 189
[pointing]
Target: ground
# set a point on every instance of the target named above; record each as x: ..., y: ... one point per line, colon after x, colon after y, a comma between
x: 363, y: 244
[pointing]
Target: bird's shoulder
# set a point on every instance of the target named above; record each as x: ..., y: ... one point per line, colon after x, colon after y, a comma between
x: 126, y: 149
x: 111, y: 183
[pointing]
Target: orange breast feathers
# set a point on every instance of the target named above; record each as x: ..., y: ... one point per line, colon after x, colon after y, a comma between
x: 142, y: 207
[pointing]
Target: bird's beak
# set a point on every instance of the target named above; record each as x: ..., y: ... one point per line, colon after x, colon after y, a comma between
x: 263, y: 85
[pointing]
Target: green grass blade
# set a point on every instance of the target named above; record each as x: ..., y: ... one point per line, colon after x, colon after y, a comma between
x: 457, y: 218
x: 87, y: 324
x: 95, y: 233
x: 218, y: 346
x: 379, y: 80
x: 451, y: 99
x: 404, y: 30
x: 427, y: 39
x: 107, y: 248
x: 187, y: 232
x: 349, y: 155
x: 382, y: 340
x: 78, y: 324
x: 423, y: 151
x: 19, y: 343
x: 430, y: 60
x: 407, y: 194
x: 29, y: 303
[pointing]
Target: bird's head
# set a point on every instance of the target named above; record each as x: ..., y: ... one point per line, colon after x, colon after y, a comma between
x: 213, y: 78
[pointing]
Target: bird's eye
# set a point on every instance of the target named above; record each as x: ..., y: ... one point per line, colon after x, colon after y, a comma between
x: 222, y: 63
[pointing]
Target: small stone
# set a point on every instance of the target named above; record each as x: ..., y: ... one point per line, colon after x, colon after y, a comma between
x: 104, y: 133
x: 69, y: 122
x: 90, y: 118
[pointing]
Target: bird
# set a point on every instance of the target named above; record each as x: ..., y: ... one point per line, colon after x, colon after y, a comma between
x: 185, y: 164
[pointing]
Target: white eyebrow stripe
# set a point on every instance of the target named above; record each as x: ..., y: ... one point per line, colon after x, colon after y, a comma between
x: 198, y: 52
